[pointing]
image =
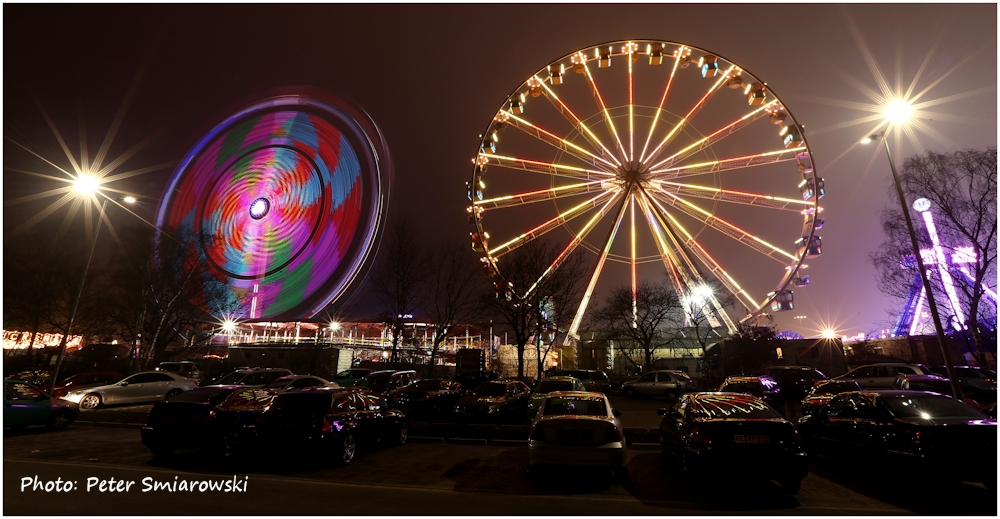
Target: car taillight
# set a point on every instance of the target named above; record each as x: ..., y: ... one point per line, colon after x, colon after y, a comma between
x: 700, y: 435
x: 798, y: 437
x: 327, y: 425
x: 537, y: 433
x: 613, y: 435
x: 991, y: 381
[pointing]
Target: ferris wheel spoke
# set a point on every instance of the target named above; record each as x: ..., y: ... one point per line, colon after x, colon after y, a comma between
x: 530, y: 197
x: 737, y: 197
x: 573, y: 244
x: 555, y: 141
x: 683, y: 122
x: 724, y: 227
x: 572, y: 118
x: 722, y: 165
x: 604, y: 109
x: 578, y: 318
x: 547, y: 168
x: 607, y: 197
x: 631, y: 48
x: 714, y: 138
x: 635, y: 295
x: 688, y: 243
x: 659, y: 109
x: 685, y: 280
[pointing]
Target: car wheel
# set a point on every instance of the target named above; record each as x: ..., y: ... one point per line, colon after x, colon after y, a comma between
x: 58, y: 421
x: 620, y: 475
x: 629, y: 392
x: 91, y: 401
x: 172, y: 393
x: 347, y: 449
x: 790, y: 486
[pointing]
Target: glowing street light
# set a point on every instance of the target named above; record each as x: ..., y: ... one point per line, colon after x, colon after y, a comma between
x: 898, y: 112
x: 86, y: 184
x: 129, y: 200
x: 829, y: 333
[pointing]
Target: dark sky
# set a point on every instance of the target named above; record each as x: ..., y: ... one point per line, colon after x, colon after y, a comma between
x: 433, y: 76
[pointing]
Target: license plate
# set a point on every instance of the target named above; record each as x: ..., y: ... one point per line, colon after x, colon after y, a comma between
x: 172, y: 419
x: 751, y: 438
x: 575, y: 434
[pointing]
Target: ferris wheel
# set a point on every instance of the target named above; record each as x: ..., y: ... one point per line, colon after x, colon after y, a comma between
x: 653, y: 157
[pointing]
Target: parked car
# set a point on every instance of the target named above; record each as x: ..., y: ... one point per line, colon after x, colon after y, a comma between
x: 494, y: 401
x: 658, y: 383
x: 593, y: 379
x: 85, y: 380
x: 184, y: 368
x: 183, y: 421
x: 382, y: 382
x: 330, y: 421
x: 763, y: 387
x: 26, y: 404
x: 931, y: 383
x: 979, y: 384
x: 794, y: 381
x: 427, y: 398
x: 882, y: 375
x: 142, y: 387
x: 824, y: 391
x: 350, y: 377
x: 253, y: 377
x: 295, y: 382
x: 908, y: 431
x: 472, y: 379
x: 233, y: 422
x: 577, y: 428
x: 548, y: 385
x: 721, y: 435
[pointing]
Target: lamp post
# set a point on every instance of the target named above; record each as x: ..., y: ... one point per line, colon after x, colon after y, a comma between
x: 896, y: 109
x: 84, y: 185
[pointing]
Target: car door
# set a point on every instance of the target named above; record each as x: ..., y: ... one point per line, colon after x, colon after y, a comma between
x: 665, y: 382
x: 124, y: 391
x: 864, y: 376
x: 24, y: 404
x: 829, y: 429
x: 863, y: 423
x: 646, y: 385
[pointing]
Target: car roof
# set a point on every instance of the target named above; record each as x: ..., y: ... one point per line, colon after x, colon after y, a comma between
x: 575, y: 393
x: 908, y: 376
x: 748, y: 378
x: 559, y: 377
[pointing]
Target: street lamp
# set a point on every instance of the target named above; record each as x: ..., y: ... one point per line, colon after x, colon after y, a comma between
x: 898, y: 112
x: 88, y: 186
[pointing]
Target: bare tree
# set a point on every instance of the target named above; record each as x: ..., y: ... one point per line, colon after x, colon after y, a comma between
x: 399, y: 278
x: 455, y: 287
x: 645, y: 325
x: 526, y: 284
x: 161, y: 291
x: 962, y: 189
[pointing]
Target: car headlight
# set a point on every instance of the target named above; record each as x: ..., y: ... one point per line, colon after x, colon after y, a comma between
x: 73, y: 397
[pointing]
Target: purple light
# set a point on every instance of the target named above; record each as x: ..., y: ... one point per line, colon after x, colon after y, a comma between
x: 946, y: 280
x: 259, y: 208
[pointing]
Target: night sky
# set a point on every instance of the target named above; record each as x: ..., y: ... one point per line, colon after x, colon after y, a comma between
x: 433, y: 76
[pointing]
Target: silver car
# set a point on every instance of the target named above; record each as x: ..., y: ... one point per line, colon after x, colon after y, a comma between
x: 882, y: 375
x: 146, y: 386
x: 658, y: 383
x: 577, y: 428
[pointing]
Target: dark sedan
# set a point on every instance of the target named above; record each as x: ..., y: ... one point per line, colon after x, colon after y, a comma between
x: 824, y: 391
x: 330, y: 421
x: 428, y: 398
x: 25, y: 404
x: 909, y: 430
x: 717, y: 435
x: 494, y: 401
x: 183, y: 421
x: 234, y: 421
x: 761, y: 386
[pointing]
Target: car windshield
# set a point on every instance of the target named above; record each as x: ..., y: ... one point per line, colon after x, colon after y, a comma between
x: 548, y: 386
x: 302, y: 401
x: 491, y: 389
x: 930, y: 407
x: 203, y: 396
x: 752, y: 388
x: 248, y: 400
x: 231, y: 379
x: 732, y: 406
x: 575, y: 405
x: 376, y: 382
x: 834, y: 388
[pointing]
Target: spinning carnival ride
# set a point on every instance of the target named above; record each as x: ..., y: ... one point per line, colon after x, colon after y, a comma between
x: 285, y: 202
x: 627, y: 135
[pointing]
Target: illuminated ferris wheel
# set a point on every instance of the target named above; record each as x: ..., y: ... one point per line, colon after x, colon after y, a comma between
x: 653, y: 156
